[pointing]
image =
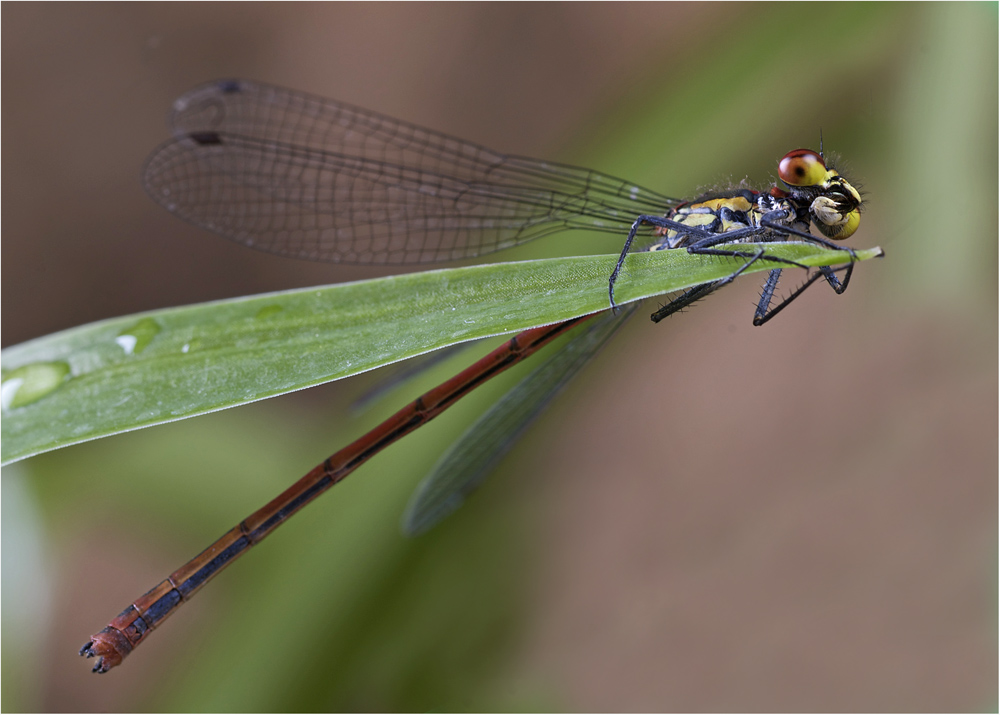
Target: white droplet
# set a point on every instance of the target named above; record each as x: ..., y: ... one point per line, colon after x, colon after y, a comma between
x: 9, y: 390
x: 127, y: 343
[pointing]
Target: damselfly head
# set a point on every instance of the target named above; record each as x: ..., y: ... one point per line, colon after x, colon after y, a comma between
x: 835, y: 205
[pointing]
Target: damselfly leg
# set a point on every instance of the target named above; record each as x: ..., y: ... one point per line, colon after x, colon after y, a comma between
x: 696, y: 241
x: 764, y: 311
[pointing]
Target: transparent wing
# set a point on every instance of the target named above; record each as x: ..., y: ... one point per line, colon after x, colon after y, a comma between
x: 477, y: 452
x: 302, y: 176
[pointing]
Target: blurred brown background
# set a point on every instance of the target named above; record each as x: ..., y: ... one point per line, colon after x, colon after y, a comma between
x: 716, y: 517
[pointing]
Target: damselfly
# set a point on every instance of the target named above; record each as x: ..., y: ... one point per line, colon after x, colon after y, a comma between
x: 301, y: 176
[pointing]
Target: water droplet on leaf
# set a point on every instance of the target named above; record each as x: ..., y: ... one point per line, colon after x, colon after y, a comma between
x: 133, y: 340
x: 29, y: 383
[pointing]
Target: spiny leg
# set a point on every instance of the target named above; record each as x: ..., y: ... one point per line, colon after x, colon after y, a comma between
x: 643, y: 220
x: 764, y: 312
x: 690, y: 296
x: 705, y: 245
x: 838, y: 285
x: 702, y: 244
x: 700, y: 291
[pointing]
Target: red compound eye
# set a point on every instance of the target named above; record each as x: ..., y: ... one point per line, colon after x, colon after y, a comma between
x: 802, y: 167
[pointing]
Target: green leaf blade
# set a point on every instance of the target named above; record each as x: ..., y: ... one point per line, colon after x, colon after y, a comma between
x: 141, y: 370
